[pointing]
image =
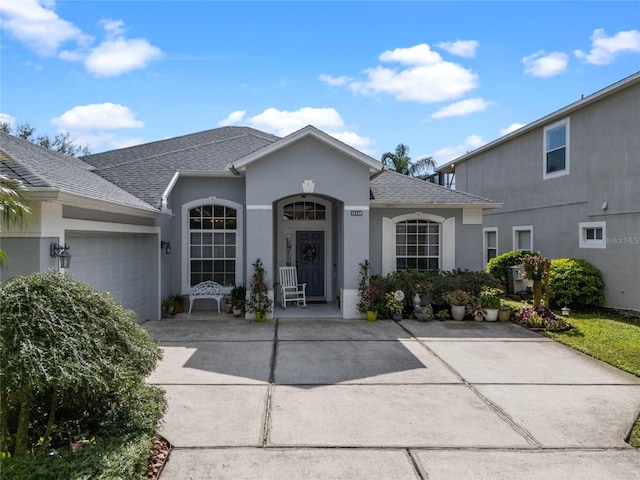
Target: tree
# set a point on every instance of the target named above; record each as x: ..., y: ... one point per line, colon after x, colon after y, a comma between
x: 400, y: 162
x: 12, y: 205
x: 60, y: 143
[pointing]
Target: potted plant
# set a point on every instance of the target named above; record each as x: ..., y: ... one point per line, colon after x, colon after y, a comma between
x: 169, y: 305
x: 459, y: 300
x: 394, y: 303
x: 369, y: 293
x: 179, y: 302
x: 259, y: 301
x: 504, y: 313
x: 476, y: 311
x: 238, y: 299
x: 490, y: 301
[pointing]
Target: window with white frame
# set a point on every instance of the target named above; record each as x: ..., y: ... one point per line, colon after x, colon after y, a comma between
x: 213, y: 235
x: 592, y: 234
x: 556, y: 149
x: 490, y: 244
x: 417, y: 245
x: 523, y: 238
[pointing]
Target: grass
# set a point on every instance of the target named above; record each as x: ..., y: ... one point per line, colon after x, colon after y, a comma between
x: 608, y: 337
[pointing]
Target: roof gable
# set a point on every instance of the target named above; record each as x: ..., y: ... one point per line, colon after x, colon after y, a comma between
x: 309, y: 132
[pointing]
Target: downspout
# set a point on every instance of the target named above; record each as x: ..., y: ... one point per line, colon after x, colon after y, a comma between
x: 167, y: 192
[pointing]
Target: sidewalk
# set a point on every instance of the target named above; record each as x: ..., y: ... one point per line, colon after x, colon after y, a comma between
x: 320, y: 399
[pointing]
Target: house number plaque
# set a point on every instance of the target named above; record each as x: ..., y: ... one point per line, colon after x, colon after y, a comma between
x: 356, y: 213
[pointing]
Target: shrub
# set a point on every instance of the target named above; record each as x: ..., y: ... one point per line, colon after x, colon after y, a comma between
x: 458, y: 297
x: 575, y: 281
x: 499, y: 266
x: 72, y: 367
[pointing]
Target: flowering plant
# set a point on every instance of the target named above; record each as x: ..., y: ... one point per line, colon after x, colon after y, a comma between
x: 394, y: 301
x: 535, y: 267
x: 541, y: 317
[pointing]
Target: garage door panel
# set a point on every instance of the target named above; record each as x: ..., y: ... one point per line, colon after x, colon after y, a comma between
x: 114, y: 263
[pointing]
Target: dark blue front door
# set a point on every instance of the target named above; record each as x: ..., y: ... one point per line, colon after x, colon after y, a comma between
x: 310, y: 261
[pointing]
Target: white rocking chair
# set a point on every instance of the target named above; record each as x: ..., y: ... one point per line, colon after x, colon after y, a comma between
x: 290, y: 289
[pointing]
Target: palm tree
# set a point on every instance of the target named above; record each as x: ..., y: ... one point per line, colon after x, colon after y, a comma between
x: 400, y: 162
x: 13, y: 207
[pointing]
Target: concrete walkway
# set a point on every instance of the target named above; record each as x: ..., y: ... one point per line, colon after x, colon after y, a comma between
x: 349, y: 399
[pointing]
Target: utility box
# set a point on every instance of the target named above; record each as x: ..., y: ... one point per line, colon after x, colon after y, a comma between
x: 515, y: 282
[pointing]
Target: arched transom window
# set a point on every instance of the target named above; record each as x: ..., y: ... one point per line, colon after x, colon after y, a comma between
x: 417, y: 245
x: 304, y: 211
x: 213, y: 238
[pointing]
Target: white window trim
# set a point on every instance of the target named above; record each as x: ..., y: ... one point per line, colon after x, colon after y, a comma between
x: 447, y: 240
x: 522, y: 228
x: 582, y: 237
x: 186, y: 243
x: 485, y: 260
x: 567, y: 157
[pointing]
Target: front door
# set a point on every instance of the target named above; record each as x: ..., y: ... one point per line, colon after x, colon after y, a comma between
x: 310, y: 261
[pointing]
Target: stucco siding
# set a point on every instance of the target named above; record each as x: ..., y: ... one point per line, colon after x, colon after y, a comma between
x: 602, y: 186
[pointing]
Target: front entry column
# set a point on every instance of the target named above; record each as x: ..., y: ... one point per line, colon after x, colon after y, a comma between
x: 259, y: 231
x: 356, y: 249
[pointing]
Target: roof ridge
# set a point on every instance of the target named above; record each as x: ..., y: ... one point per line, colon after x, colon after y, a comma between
x: 172, y: 152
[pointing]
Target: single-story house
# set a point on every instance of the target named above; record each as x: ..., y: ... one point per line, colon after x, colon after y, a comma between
x: 153, y: 220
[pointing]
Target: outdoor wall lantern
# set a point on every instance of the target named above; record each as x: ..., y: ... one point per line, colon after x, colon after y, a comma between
x: 166, y: 246
x: 61, y: 253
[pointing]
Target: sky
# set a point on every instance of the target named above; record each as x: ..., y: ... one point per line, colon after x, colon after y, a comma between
x: 443, y: 78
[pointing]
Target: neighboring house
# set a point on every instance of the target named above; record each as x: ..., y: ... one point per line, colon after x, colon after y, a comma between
x: 152, y: 220
x: 570, y: 186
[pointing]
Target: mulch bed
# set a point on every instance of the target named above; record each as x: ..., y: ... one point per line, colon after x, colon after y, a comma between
x: 159, y: 455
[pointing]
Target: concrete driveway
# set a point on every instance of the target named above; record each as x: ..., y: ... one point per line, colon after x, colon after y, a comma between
x: 349, y: 399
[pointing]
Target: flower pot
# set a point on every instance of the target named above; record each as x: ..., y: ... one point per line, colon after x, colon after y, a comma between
x: 478, y: 317
x: 491, y: 315
x: 237, y: 312
x: 457, y: 312
x: 261, y: 316
x: 504, y: 315
x: 397, y: 316
x: 372, y: 316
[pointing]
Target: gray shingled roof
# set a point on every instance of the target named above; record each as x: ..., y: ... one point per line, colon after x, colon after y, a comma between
x: 38, y: 167
x: 146, y: 170
x: 391, y: 188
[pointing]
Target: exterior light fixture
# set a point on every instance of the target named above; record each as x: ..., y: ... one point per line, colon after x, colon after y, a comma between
x: 166, y: 246
x: 308, y: 186
x: 61, y: 253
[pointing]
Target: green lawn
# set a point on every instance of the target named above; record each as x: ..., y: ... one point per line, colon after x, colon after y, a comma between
x: 608, y: 337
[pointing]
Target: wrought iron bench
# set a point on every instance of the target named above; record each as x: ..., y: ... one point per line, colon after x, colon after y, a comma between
x: 206, y: 289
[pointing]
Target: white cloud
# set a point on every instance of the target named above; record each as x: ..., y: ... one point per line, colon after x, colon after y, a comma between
x: 449, y: 153
x: 38, y: 26
x: 101, y: 116
x: 428, y: 78
x: 605, y: 49
x: 462, y: 48
x: 511, y: 128
x: 465, y: 107
x: 417, y: 55
x: 117, y: 56
x: 283, y: 123
x: 6, y: 118
x: 233, y: 118
x: 541, y: 64
x: 335, y: 81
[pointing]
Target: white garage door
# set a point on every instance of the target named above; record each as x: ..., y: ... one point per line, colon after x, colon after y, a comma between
x: 114, y: 263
